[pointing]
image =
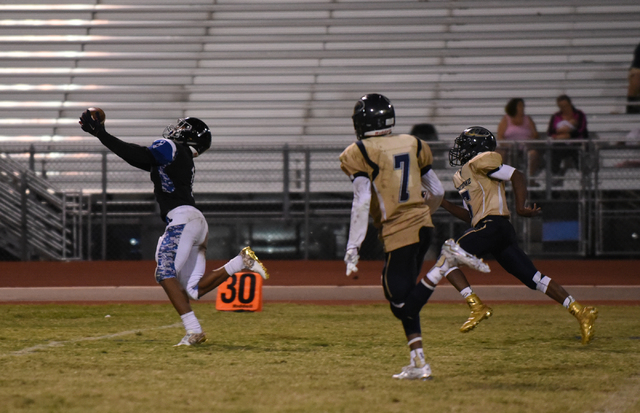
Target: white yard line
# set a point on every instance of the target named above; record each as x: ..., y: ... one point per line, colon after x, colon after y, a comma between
x: 29, y: 350
x: 623, y: 400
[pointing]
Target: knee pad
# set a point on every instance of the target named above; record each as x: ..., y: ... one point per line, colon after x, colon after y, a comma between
x: 397, y: 310
x: 541, y: 282
x: 410, y: 323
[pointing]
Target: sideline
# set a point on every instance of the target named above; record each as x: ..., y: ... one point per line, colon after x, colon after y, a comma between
x: 622, y: 294
x: 33, y: 349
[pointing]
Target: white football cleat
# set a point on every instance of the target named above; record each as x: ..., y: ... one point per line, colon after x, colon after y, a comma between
x: 252, y: 263
x: 457, y: 256
x: 192, y: 339
x: 414, y: 373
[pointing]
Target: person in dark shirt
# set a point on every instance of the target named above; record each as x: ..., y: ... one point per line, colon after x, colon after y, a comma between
x: 180, y: 254
x: 633, y: 93
x: 566, y: 125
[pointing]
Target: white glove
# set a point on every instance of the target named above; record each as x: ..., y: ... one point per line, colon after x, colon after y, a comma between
x: 351, y: 259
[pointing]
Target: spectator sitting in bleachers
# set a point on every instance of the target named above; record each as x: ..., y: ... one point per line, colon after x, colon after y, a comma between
x: 427, y: 132
x: 516, y: 126
x: 567, y: 124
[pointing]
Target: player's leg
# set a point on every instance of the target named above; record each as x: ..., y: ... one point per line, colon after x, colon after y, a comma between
x: 455, y: 276
x: 190, y: 260
x: 178, y: 268
x: 475, y: 242
x: 246, y: 259
x: 166, y: 276
x: 406, y: 299
x: 456, y: 255
x: 517, y: 262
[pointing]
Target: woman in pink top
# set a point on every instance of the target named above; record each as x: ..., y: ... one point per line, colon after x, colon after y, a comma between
x: 516, y: 126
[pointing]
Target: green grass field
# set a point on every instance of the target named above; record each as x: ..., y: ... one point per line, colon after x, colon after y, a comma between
x: 307, y: 358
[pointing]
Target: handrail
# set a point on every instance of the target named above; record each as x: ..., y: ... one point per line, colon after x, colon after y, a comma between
x: 45, y: 231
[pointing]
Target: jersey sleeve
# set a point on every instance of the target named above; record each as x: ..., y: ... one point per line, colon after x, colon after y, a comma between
x: 163, y: 151
x: 135, y: 155
x: 503, y: 173
x: 486, y: 163
x: 425, y: 158
x: 353, y: 163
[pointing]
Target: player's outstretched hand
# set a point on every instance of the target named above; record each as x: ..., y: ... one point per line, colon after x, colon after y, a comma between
x: 529, y: 212
x: 89, y: 124
x: 351, y: 259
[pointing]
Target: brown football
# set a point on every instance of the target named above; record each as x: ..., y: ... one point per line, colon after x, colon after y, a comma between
x: 97, y: 114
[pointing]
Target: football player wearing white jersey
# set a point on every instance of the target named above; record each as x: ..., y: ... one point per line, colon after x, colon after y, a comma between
x: 180, y: 254
x: 481, y: 183
x: 389, y: 173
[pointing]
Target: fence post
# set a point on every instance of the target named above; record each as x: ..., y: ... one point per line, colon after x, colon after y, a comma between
x: 24, y: 233
x: 285, y: 182
x: 64, y: 225
x: 548, y: 178
x: 32, y: 158
x: 89, y: 230
x: 104, y: 206
x: 307, y: 209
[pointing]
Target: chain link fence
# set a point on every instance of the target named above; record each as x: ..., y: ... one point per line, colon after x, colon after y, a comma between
x: 294, y: 202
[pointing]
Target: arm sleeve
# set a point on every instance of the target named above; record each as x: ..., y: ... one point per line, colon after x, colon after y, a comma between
x: 135, y: 155
x: 359, y: 212
x: 434, y: 189
x: 503, y: 173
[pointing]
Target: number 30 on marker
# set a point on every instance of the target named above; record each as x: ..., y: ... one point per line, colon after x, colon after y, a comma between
x: 241, y: 292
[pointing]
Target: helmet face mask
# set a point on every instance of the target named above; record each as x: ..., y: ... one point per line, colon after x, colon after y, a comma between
x: 373, y: 115
x: 469, y: 143
x: 190, y: 131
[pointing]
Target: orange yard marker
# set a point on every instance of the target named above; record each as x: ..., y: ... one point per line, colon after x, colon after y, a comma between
x: 241, y: 292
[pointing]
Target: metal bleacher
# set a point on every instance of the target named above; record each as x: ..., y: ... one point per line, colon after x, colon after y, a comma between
x: 265, y: 74
x: 289, y: 72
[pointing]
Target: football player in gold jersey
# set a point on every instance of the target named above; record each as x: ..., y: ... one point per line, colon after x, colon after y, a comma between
x: 389, y: 173
x: 480, y: 182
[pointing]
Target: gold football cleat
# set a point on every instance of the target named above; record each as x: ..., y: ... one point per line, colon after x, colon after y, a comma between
x: 586, y: 317
x: 251, y: 262
x: 479, y: 312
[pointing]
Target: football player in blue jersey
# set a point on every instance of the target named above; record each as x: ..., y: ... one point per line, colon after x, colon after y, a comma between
x: 180, y: 254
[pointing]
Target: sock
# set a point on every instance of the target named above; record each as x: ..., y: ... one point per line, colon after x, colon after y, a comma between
x: 234, y: 265
x: 417, y: 358
x: 568, y: 301
x: 466, y: 292
x: 191, y: 323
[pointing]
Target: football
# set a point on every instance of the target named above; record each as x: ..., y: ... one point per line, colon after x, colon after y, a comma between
x: 97, y: 114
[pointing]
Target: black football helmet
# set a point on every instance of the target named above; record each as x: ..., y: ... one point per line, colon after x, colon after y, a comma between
x: 192, y: 132
x: 373, y: 115
x: 472, y: 141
